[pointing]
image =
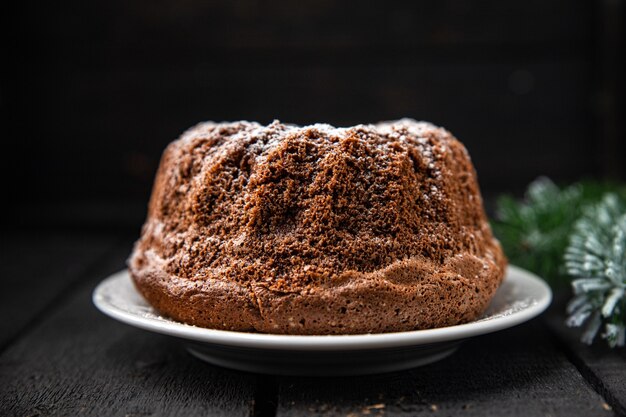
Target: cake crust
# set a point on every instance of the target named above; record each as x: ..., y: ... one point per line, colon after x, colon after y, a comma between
x: 317, y: 230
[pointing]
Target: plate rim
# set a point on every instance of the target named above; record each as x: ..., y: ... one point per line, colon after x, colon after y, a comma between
x: 328, y: 342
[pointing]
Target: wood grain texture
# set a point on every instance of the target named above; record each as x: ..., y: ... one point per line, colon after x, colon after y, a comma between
x: 477, y: 101
x: 103, y: 87
x: 36, y: 268
x: 79, y: 362
x: 518, y: 372
x: 604, y: 368
x: 132, y: 31
x: 75, y: 361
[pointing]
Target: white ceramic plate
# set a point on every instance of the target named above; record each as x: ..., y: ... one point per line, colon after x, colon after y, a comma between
x: 521, y: 297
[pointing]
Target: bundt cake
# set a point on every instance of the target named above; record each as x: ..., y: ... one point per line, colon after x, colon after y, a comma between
x: 317, y: 230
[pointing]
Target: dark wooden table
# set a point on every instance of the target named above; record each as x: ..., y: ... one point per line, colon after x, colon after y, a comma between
x: 59, y: 356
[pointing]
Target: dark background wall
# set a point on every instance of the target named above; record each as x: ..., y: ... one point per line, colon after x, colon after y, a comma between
x: 92, y: 92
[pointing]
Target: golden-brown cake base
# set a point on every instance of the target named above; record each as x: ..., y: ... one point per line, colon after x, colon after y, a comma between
x: 317, y: 230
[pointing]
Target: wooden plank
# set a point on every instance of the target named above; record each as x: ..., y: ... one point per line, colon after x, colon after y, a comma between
x: 37, y: 268
x: 148, y: 32
x: 604, y: 368
x: 79, y: 362
x: 105, y: 103
x: 147, y: 109
x: 517, y: 372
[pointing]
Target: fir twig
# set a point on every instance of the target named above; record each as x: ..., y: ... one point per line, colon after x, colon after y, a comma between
x: 534, y: 232
x: 596, y: 259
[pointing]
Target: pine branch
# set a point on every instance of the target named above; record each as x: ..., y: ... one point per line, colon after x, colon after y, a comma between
x: 596, y: 259
x: 535, y: 232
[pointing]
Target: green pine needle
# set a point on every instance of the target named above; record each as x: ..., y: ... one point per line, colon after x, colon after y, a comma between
x: 596, y: 259
x: 535, y: 232
x: 575, y: 235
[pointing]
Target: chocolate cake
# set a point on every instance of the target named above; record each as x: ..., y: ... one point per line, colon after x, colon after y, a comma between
x: 317, y: 230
